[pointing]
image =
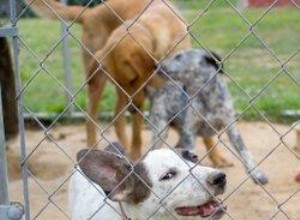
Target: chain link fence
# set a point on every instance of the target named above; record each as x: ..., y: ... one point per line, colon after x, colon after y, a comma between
x: 45, y: 77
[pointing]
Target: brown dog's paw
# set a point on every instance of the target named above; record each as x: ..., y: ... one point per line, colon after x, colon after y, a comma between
x: 220, y: 160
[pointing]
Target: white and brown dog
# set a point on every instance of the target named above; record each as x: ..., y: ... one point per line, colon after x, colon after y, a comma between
x: 164, y: 185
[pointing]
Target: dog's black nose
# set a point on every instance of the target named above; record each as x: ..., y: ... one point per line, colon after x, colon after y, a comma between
x: 217, y: 180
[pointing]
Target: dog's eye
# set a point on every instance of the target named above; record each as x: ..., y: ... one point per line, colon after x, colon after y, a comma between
x: 168, y: 175
x: 178, y: 57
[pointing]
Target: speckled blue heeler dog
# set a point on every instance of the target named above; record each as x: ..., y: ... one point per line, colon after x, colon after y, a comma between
x: 197, y: 74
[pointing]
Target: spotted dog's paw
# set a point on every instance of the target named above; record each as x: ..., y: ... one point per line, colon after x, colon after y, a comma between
x: 259, y: 177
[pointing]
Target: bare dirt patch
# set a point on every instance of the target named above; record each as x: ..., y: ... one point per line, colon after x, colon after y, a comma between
x: 52, y: 161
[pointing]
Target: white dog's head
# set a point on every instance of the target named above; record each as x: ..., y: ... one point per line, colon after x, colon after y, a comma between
x: 164, y: 185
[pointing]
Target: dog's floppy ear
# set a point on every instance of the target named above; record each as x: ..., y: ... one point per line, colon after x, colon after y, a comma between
x: 113, y: 174
x: 213, y: 58
x: 108, y: 170
x: 143, y: 64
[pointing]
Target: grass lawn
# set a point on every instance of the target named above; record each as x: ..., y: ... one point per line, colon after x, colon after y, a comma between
x: 250, y: 66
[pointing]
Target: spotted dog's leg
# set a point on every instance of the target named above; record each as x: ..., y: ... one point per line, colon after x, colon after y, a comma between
x: 159, y: 124
x: 216, y: 155
x: 188, y: 131
x: 257, y: 175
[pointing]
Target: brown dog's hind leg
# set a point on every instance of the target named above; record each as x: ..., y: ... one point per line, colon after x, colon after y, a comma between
x: 120, y: 123
x: 95, y: 89
x: 137, y: 126
x: 216, y: 155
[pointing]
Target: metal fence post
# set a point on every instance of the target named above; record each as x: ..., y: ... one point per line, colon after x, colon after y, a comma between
x: 13, y: 211
x: 67, y: 64
x: 3, y: 168
x: 15, y: 55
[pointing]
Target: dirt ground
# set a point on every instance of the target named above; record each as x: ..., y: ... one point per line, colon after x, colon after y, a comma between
x: 51, y: 165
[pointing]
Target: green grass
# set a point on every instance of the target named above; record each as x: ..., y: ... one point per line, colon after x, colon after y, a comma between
x: 251, y: 65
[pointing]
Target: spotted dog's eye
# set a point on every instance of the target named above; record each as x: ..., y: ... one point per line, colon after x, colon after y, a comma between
x: 178, y: 57
x: 168, y: 175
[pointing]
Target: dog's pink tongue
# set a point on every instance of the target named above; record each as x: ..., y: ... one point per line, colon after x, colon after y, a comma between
x: 207, y: 209
x: 204, y: 210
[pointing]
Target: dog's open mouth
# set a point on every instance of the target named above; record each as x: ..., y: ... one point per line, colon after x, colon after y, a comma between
x: 212, y: 207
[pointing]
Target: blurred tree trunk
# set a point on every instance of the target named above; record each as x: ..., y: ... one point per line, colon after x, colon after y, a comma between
x: 8, y: 92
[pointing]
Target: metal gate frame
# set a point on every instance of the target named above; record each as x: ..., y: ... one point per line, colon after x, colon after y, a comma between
x: 12, y: 210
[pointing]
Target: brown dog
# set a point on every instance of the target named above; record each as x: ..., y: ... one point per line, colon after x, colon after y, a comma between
x: 130, y: 58
x: 97, y: 24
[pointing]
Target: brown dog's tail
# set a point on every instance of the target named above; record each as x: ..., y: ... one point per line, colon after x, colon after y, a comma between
x: 54, y: 10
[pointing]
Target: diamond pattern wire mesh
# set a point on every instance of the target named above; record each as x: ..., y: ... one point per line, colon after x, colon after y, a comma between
x: 49, y: 136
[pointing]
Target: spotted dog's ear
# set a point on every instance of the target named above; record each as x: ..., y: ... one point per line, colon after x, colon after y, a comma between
x: 114, y: 174
x: 213, y: 58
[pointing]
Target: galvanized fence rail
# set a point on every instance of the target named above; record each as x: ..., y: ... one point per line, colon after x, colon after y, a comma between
x: 8, y: 210
x: 71, y: 94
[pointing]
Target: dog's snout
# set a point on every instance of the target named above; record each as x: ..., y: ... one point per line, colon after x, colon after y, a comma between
x: 217, y: 180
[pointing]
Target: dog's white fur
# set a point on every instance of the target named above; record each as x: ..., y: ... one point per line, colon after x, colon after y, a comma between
x: 184, y: 189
